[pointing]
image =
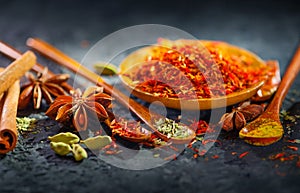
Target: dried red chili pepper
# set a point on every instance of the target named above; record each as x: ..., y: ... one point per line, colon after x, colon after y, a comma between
x: 202, y: 152
x: 206, y: 141
x: 195, y: 150
x: 174, y: 148
x: 111, y: 149
x: 279, y: 155
x: 243, y: 154
x: 171, y: 157
x: 200, y: 127
x: 294, y: 148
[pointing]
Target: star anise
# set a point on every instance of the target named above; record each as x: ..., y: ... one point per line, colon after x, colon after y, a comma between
x: 240, y: 116
x: 42, y: 86
x: 80, y: 107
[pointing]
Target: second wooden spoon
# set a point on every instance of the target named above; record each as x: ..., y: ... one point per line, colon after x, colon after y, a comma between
x: 267, y: 128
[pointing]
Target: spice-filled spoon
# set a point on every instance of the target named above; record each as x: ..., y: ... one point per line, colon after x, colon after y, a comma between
x: 267, y: 128
x: 142, y: 112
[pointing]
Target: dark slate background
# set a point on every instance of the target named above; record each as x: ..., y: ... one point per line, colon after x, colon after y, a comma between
x: 269, y: 28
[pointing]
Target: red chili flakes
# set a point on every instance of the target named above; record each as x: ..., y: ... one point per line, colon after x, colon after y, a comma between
x: 195, y: 150
x: 293, y: 140
x: 202, y: 152
x: 185, y: 69
x: 171, y: 157
x: 243, y: 154
x: 174, y: 148
x: 201, y: 127
x: 278, y: 155
x: 111, y: 149
x: 125, y: 128
x: 195, y: 155
x: 294, y: 148
x: 206, y: 141
x: 286, y: 157
x: 110, y: 152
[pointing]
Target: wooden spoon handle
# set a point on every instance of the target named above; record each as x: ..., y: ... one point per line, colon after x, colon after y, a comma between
x: 14, y: 54
x: 286, y: 82
x: 64, y: 60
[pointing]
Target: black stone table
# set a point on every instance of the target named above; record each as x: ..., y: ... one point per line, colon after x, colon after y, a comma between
x: 271, y: 29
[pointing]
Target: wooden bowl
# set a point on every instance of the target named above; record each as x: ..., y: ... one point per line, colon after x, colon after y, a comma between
x: 138, y: 58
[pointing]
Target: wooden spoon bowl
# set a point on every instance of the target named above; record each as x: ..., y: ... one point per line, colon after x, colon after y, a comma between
x: 267, y: 128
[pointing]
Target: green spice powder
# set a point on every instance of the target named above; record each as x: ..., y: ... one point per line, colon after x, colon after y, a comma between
x: 171, y: 128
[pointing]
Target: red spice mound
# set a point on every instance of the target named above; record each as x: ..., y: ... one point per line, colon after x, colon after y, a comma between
x: 192, y: 69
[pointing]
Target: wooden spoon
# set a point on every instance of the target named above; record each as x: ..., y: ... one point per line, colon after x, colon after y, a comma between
x: 142, y: 112
x: 267, y: 128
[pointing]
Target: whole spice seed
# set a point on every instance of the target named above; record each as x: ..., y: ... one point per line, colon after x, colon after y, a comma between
x: 79, y: 152
x: 98, y: 142
x: 60, y: 148
x: 81, y: 107
x: 171, y: 128
x: 68, y: 138
x: 103, y: 68
x: 65, y: 143
x: 240, y: 116
x: 42, y: 86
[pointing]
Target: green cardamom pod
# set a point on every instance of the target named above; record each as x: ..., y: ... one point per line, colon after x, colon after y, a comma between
x: 60, y: 148
x: 104, y: 68
x: 98, y: 142
x: 68, y: 138
x: 79, y: 152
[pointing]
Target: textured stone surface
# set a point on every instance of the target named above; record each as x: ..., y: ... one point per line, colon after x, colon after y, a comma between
x: 270, y: 29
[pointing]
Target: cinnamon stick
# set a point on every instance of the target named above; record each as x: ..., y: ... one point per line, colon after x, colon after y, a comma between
x: 16, y: 70
x: 13, y: 53
x: 9, y: 92
x: 8, y: 114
